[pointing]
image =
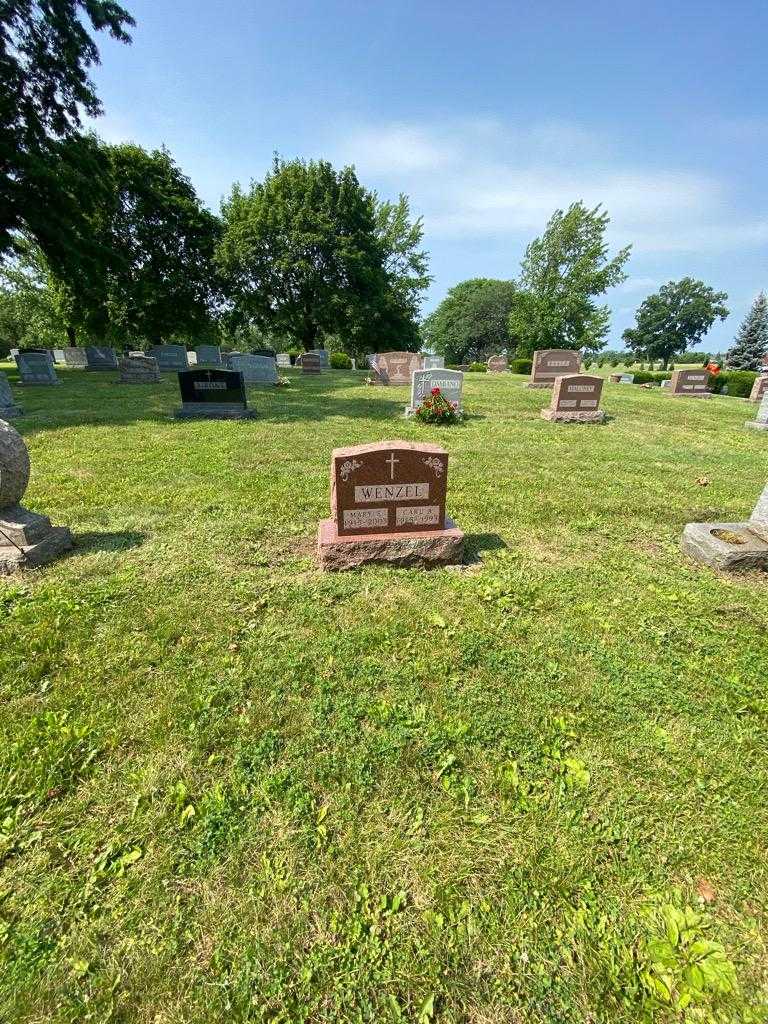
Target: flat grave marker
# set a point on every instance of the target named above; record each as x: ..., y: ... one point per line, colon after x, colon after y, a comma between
x: 731, y: 546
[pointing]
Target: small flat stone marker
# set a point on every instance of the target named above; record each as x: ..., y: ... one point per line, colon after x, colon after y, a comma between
x: 27, y: 539
x: 690, y: 384
x: 731, y: 546
x: 576, y: 399
x: 388, y: 507
x: 550, y: 363
x: 213, y: 395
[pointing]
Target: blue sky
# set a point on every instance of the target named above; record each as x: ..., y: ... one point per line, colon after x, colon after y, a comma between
x: 488, y: 115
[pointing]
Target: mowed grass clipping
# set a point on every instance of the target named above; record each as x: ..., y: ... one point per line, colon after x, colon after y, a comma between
x: 235, y: 789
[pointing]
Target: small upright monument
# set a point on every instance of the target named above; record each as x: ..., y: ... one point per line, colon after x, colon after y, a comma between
x: 690, y: 384
x: 551, y: 363
x: 394, y: 367
x: 27, y: 539
x: 139, y: 369
x: 212, y: 395
x: 450, y: 382
x: 100, y: 358
x: 576, y: 399
x: 760, y: 423
x: 498, y: 364
x: 388, y: 507
x: 36, y: 368
x: 759, y: 388
x: 8, y: 408
x: 731, y: 545
x: 170, y: 357
x: 310, y: 363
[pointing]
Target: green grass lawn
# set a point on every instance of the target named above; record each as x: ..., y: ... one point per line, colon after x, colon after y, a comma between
x: 235, y: 789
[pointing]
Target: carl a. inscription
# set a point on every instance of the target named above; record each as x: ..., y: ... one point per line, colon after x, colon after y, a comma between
x: 389, y: 487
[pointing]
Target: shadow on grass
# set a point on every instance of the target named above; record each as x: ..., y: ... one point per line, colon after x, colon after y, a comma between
x: 87, y: 543
x: 475, y: 543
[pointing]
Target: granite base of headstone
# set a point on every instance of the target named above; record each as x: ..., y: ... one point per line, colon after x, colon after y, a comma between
x: 139, y: 370
x: 731, y: 546
x: 388, y: 508
x: 575, y: 399
x: 27, y: 539
x: 450, y: 382
x: 212, y: 395
x: 760, y: 423
x: 551, y: 363
x: 8, y: 408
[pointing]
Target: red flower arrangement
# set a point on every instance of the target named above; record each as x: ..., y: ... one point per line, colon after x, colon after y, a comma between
x: 437, y: 409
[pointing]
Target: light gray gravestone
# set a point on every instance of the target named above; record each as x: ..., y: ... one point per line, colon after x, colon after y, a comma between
x: 208, y: 355
x: 58, y: 355
x: 434, y: 362
x: 761, y: 422
x: 324, y: 356
x: 8, y: 407
x: 627, y: 378
x: 139, y: 370
x: 36, y: 368
x: 283, y: 360
x: 255, y: 369
x: 170, y: 357
x: 26, y: 538
x: 100, y: 358
x: 450, y: 382
x: 666, y: 383
x: 731, y: 545
x: 75, y: 358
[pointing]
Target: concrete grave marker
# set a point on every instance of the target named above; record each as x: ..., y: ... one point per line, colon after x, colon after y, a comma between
x: 213, y: 394
x: 761, y: 421
x: 690, y: 384
x: 550, y: 363
x: 27, y: 539
x: 139, y: 369
x: 8, y: 408
x: 36, y: 368
x: 498, y: 364
x: 731, y: 545
x: 575, y: 399
x: 100, y: 358
x: 170, y: 357
x: 58, y: 355
x: 388, y: 505
x: 208, y: 355
x: 283, y: 360
x: 324, y: 356
x: 255, y: 369
x: 450, y: 382
x: 759, y: 388
x: 394, y: 367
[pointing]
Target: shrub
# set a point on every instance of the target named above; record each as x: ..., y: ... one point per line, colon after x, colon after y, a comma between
x: 436, y: 408
x: 340, y: 361
x: 648, y: 377
x: 738, y: 382
x: 478, y: 368
x: 521, y: 366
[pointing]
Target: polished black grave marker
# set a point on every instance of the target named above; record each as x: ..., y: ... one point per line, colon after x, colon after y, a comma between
x: 212, y: 394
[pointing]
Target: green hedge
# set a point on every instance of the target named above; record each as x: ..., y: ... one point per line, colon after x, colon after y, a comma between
x: 521, y: 366
x: 340, y: 361
x: 738, y: 382
x: 477, y: 368
x: 647, y: 377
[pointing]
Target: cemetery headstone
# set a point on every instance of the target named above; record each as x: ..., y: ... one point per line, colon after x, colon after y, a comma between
x: 388, y: 506
x: 208, y: 355
x: 575, y: 399
x: 14, y: 352
x: 139, y: 369
x: 551, y: 363
x: 394, y: 367
x: 170, y: 357
x: 268, y: 353
x: 27, y: 539
x: 731, y: 546
x: 283, y: 360
x: 36, y: 368
x: 191, y: 358
x: 666, y: 383
x: 450, y: 382
x: 614, y: 378
x: 8, y: 407
x: 255, y: 369
x: 434, y: 362
x: 627, y: 378
x: 58, y: 355
x: 325, y: 357
x: 100, y: 358
x: 761, y: 422
x: 759, y: 388
x: 690, y: 384
x: 213, y: 394
x: 75, y: 358
x: 310, y: 363
x: 498, y: 364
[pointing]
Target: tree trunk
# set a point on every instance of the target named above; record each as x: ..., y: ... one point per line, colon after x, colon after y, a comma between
x: 309, y: 336
x: 71, y: 336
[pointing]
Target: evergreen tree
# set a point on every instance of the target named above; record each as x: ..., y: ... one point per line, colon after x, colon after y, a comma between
x: 751, y: 344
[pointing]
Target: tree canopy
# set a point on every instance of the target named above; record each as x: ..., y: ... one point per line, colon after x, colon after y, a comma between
x: 676, y: 317
x: 472, y: 321
x: 45, y: 56
x: 751, y: 344
x: 29, y: 313
x: 308, y: 252
x: 563, y: 273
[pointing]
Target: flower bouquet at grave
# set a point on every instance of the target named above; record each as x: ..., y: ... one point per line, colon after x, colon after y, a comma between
x: 283, y: 382
x: 436, y: 408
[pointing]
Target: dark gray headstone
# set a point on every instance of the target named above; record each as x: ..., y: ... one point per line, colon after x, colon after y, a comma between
x: 170, y: 357
x: 100, y: 358
x: 208, y: 355
x: 8, y: 407
x: 212, y: 394
x: 36, y: 368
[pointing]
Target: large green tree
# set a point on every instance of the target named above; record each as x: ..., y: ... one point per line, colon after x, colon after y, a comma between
x: 309, y: 252
x: 675, y: 318
x: 472, y: 321
x: 563, y: 274
x: 46, y: 53
x: 30, y: 315
x: 751, y: 344
x: 152, y: 275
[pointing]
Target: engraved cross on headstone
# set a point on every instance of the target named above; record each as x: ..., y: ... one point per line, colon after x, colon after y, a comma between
x: 391, y: 462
